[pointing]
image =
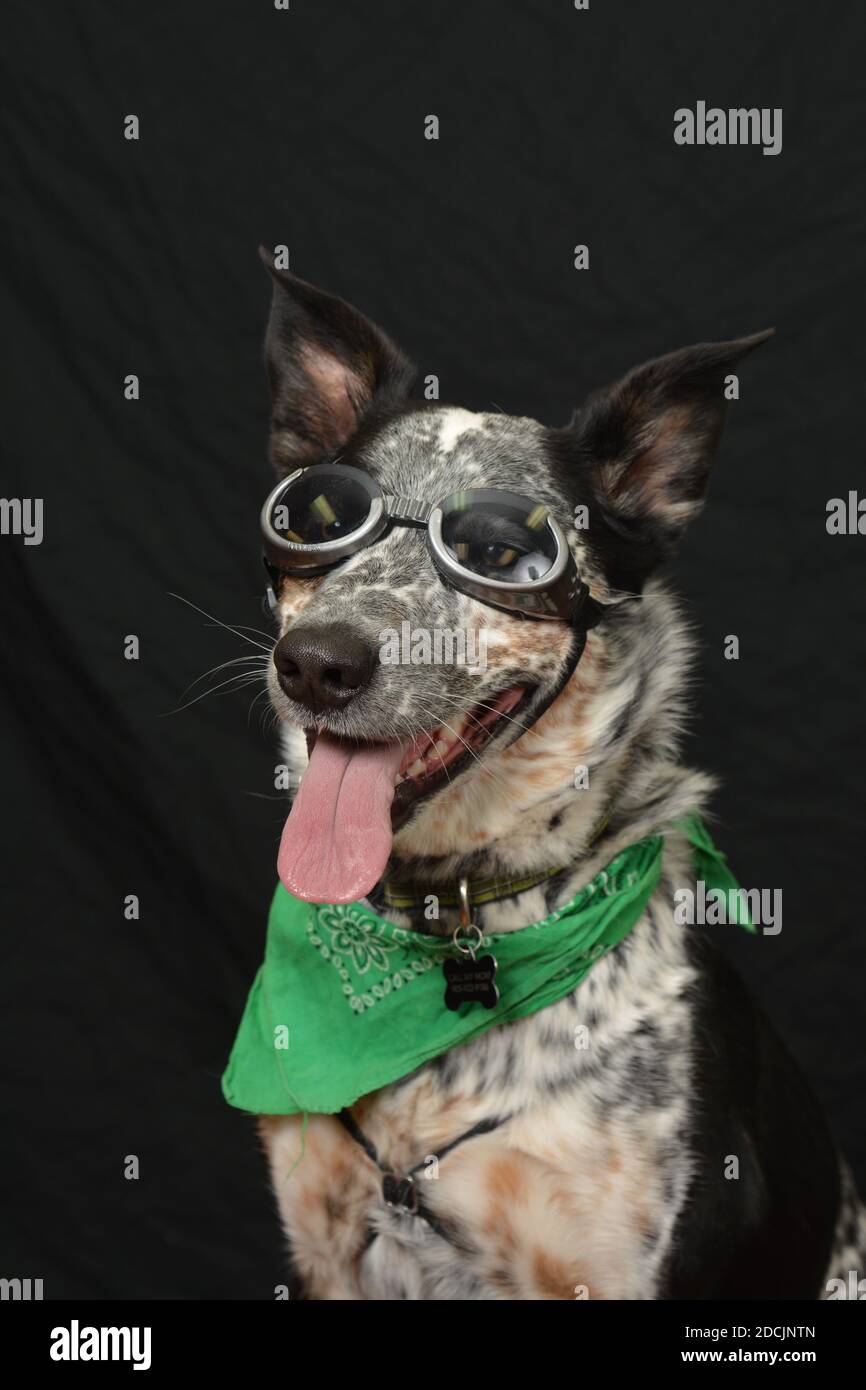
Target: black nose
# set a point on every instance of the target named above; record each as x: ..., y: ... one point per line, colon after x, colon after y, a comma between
x: 323, y: 667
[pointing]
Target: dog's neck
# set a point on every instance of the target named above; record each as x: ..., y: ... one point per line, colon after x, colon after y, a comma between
x: 599, y: 770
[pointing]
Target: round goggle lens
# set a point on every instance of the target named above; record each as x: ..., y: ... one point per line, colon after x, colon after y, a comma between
x: 324, y: 504
x: 498, y: 535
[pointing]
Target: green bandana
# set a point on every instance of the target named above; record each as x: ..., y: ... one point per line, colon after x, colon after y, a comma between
x: 346, y: 1002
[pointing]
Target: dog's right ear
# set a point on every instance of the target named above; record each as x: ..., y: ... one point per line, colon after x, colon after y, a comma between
x: 327, y: 366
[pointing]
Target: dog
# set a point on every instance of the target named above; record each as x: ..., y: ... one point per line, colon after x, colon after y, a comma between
x: 562, y: 1172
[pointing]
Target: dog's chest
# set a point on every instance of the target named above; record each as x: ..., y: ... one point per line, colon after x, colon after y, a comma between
x: 572, y: 1196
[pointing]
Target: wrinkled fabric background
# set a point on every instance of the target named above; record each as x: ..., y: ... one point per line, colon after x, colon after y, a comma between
x: 306, y: 127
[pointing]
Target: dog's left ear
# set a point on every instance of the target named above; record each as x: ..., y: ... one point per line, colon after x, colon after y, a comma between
x: 649, y: 439
x: 328, y: 367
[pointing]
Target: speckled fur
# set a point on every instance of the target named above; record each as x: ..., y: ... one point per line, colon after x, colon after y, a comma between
x: 582, y: 1189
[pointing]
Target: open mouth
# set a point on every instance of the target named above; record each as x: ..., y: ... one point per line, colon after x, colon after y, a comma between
x: 354, y: 796
x: 438, y: 757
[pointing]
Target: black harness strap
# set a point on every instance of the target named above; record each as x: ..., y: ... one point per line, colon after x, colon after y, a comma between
x: 402, y: 1190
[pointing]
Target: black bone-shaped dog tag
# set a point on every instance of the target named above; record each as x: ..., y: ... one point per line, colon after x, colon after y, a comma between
x: 469, y: 981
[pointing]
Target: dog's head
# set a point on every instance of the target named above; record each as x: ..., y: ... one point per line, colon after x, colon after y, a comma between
x: 416, y: 703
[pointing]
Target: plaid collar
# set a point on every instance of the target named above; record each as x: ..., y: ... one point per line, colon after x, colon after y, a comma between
x: 481, y: 890
x: 404, y: 896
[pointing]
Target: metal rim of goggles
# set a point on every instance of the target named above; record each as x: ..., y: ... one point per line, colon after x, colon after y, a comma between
x: 557, y: 594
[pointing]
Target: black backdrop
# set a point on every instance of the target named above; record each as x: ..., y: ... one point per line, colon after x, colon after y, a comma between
x: 305, y: 127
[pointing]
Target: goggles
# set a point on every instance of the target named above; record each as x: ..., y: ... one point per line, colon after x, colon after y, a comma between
x: 499, y: 547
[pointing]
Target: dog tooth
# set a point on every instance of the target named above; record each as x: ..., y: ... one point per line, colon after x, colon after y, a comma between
x: 415, y: 769
x: 441, y: 747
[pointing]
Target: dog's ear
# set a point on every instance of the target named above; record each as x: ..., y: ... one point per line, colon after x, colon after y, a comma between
x: 327, y: 367
x: 648, y: 440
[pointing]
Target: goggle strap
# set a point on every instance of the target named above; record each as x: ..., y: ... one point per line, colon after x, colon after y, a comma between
x: 274, y: 574
x: 592, y: 612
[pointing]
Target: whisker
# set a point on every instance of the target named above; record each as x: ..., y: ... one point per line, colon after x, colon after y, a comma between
x: 245, y: 627
x: 242, y: 678
x: 235, y: 661
x: 237, y: 632
x: 255, y: 698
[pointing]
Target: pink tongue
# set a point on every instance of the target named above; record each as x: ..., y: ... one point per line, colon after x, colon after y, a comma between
x: 337, y: 839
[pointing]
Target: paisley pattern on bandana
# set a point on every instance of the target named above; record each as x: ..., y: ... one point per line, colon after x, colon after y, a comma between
x: 372, y: 957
